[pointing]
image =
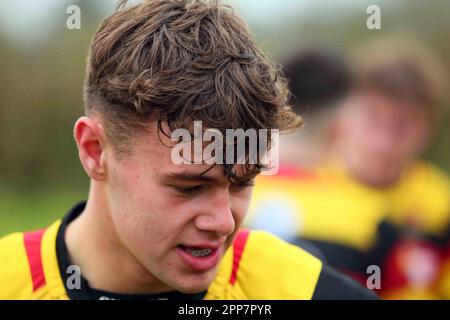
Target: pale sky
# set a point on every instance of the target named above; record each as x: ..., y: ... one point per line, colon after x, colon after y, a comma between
x: 27, y: 21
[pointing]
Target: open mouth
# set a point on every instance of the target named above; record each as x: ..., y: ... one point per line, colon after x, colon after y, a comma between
x: 199, y: 258
x: 197, y: 252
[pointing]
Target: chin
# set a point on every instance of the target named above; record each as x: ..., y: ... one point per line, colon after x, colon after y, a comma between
x: 382, y: 180
x: 196, y: 283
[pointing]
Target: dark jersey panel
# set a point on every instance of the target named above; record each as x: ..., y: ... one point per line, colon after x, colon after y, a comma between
x: 334, y: 286
x: 351, y: 259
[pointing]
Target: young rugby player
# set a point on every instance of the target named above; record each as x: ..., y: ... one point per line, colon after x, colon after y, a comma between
x: 153, y: 229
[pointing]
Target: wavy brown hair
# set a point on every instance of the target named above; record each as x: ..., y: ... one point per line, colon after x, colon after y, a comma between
x: 176, y: 61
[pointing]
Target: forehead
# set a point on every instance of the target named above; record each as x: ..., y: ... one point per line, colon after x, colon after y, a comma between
x: 375, y: 101
x: 152, y: 151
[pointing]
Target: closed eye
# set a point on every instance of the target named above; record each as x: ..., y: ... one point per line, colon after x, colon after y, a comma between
x: 241, y: 186
x: 188, y: 190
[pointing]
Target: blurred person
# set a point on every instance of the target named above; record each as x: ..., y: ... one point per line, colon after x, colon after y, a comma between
x: 381, y: 132
x: 318, y: 79
x: 376, y: 202
x: 152, y: 229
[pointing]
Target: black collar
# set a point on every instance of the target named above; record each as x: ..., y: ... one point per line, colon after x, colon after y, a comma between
x: 85, y: 292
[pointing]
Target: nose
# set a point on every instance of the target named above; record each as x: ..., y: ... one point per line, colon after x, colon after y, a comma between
x: 217, y: 216
x: 383, y: 142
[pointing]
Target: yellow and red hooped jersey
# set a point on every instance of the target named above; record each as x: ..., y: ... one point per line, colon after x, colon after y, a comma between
x: 257, y: 266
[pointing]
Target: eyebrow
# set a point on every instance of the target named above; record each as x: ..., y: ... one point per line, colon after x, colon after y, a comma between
x: 190, y: 177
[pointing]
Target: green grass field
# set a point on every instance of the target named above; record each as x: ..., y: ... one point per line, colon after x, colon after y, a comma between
x: 21, y: 211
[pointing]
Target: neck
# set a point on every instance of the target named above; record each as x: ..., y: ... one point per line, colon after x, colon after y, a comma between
x: 93, y: 245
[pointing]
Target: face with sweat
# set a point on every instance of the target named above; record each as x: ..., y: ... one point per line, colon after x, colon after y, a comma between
x: 176, y: 221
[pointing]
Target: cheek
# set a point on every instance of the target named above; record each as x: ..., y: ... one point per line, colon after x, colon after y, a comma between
x: 240, y: 205
x: 354, y: 131
x: 126, y: 187
x: 142, y: 211
x: 418, y: 137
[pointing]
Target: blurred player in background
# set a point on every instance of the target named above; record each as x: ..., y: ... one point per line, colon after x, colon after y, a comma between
x: 318, y: 80
x: 375, y: 202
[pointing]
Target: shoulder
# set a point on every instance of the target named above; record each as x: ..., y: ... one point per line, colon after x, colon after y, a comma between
x: 11, y: 244
x: 299, y: 271
x: 262, y: 266
x: 424, y: 191
x: 264, y: 245
x: 426, y: 173
x: 13, y: 257
x: 29, y: 265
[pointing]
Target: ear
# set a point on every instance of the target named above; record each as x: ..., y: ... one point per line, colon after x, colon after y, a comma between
x: 90, y: 138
